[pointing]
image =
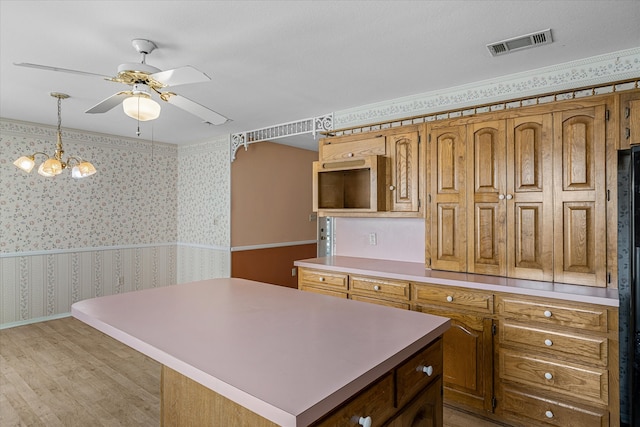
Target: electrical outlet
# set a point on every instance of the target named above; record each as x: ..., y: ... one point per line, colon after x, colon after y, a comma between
x: 293, y: 271
x: 313, y: 217
x: 373, y: 239
x: 121, y: 281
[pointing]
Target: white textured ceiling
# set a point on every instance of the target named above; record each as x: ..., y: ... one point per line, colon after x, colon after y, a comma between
x: 273, y: 62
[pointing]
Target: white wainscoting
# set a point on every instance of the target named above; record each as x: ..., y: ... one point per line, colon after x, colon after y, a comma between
x: 41, y: 285
x: 37, y: 286
x: 201, y: 262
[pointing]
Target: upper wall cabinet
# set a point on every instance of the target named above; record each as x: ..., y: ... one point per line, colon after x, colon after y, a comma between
x: 629, y: 119
x: 580, y: 196
x: 397, y: 181
x: 446, y: 213
x: 521, y: 196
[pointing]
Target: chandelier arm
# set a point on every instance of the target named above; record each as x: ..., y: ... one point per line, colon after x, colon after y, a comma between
x: 77, y: 159
x: 40, y: 152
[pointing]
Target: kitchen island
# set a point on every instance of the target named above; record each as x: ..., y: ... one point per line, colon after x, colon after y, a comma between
x: 270, y: 355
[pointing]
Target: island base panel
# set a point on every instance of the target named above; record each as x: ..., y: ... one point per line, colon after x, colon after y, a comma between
x: 185, y: 402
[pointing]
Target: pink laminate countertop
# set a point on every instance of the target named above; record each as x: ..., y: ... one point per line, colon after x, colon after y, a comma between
x: 288, y: 355
x: 415, y: 272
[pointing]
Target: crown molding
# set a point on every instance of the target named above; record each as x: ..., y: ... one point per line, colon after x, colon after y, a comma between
x: 603, y: 69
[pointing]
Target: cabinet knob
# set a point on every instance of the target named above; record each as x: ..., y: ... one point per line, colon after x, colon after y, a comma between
x: 376, y: 288
x: 548, y: 375
x: 509, y: 196
x: 548, y: 342
x: 449, y: 298
x: 392, y: 187
x: 350, y: 155
x: 547, y: 313
x: 428, y: 370
x: 321, y: 279
x: 548, y: 414
x: 365, y: 422
x: 501, y: 196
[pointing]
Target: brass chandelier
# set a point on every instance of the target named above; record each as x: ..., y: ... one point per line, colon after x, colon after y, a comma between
x: 54, y: 164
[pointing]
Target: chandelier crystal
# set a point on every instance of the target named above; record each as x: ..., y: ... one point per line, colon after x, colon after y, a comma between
x: 54, y: 164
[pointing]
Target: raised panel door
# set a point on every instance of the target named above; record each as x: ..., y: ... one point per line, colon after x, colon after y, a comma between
x: 403, y: 149
x: 467, y: 359
x: 579, y: 198
x: 529, y: 197
x: 446, y: 231
x: 486, y: 188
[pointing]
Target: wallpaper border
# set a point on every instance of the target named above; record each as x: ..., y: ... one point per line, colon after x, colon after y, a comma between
x: 607, y: 68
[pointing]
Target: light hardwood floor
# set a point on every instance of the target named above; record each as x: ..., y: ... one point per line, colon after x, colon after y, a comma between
x: 65, y: 373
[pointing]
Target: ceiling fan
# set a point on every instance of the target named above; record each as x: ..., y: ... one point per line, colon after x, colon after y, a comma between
x: 146, y: 80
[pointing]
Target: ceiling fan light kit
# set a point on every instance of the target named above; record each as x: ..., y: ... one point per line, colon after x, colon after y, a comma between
x: 54, y: 165
x: 140, y: 106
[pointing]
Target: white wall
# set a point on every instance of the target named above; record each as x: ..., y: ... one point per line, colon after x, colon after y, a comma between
x: 398, y: 239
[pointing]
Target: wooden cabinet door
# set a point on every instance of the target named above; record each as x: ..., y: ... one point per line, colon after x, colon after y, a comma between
x: 629, y: 119
x: 529, y: 197
x: 447, y: 228
x: 467, y: 359
x: 486, y: 198
x: 579, y: 197
x: 403, y: 150
x: 424, y: 411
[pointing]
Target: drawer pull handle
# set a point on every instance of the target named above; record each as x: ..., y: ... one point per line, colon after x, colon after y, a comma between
x: 547, y: 313
x: 449, y: 298
x: 321, y: 279
x: 392, y: 187
x: 428, y: 370
x: 365, y: 422
x: 549, y: 414
x: 548, y: 342
x: 548, y: 375
x: 376, y: 288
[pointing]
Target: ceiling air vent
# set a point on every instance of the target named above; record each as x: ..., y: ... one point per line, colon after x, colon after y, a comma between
x: 519, y: 43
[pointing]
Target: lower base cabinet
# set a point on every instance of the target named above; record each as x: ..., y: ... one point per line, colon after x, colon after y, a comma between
x: 424, y: 411
x: 408, y: 396
x: 520, y: 360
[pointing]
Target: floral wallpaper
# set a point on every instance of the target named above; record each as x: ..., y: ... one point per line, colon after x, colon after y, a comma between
x: 204, y: 186
x: 131, y: 200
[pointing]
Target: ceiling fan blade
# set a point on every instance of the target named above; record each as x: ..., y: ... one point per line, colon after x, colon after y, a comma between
x: 194, y: 108
x: 65, y: 70
x: 180, y: 76
x: 109, y: 103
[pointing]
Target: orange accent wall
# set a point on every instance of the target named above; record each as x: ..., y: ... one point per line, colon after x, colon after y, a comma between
x: 271, y: 265
x: 271, y: 189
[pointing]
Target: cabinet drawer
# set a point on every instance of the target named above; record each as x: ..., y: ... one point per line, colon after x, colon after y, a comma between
x: 420, y: 370
x: 324, y: 279
x: 388, y: 303
x: 550, y: 412
x: 424, y: 411
x: 587, y: 383
x: 453, y: 297
x: 591, y: 349
x: 587, y: 317
x: 380, y: 288
x: 323, y: 291
x: 375, y: 402
x: 335, y: 150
